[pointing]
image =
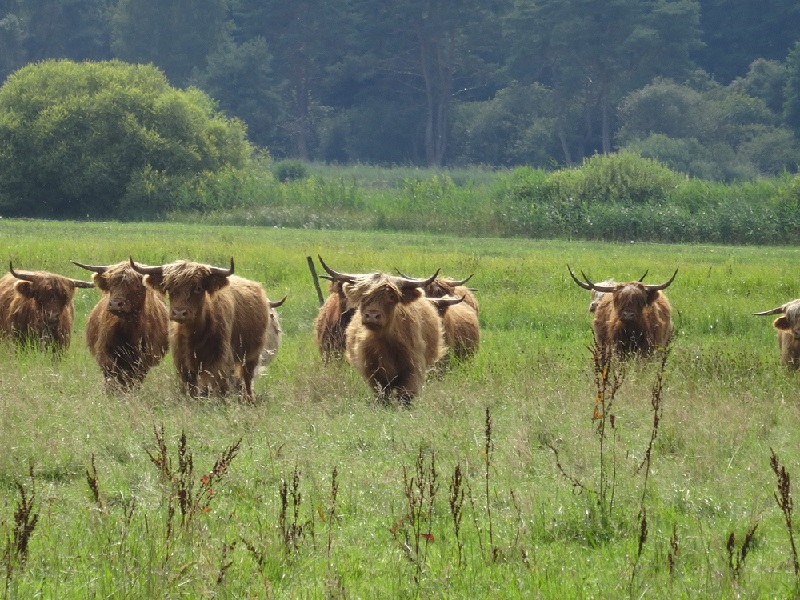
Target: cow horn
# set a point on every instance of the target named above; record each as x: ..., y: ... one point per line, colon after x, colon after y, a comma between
x: 223, y: 272
x: 446, y: 300
x: 95, y: 269
x: 20, y: 274
x: 144, y: 270
x: 775, y: 311
x: 662, y: 286
x: 336, y: 276
x: 81, y: 284
x: 407, y: 282
x: 277, y: 303
x: 455, y: 282
x: 641, y: 279
x: 588, y: 285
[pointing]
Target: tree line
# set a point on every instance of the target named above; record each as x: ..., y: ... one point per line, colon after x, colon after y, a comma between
x: 709, y: 87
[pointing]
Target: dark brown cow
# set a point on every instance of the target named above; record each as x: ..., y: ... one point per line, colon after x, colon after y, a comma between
x: 395, y: 336
x: 462, y: 330
x: 127, y: 330
x: 788, y: 326
x: 632, y: 317
x: 37, y: 307
x: 330, y: 324
x: 219, y: 324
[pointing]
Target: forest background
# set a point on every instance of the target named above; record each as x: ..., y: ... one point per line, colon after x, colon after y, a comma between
x: 709, y: 87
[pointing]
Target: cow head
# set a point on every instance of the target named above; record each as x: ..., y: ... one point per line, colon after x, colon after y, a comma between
x: 441, y: 286
x: 445, y: 302
x: 51, y: 293
x: 789, y: 321
x: 629, y: 299
x: 124, y: 286
x: 186, y: 284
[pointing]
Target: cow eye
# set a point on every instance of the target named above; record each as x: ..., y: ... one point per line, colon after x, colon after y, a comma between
x: 197, y: 290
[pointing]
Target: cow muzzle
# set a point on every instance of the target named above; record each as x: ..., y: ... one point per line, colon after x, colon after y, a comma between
x: 372, y: 319
x: 179, y: 315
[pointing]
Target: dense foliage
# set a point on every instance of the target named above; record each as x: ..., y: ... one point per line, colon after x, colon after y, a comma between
x: 708, y: 86
x: 80, y: 140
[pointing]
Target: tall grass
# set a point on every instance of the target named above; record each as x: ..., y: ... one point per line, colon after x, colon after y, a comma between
x: 275, y: 527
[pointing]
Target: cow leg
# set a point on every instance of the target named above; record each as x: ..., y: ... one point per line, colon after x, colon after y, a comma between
x: 249, y: 369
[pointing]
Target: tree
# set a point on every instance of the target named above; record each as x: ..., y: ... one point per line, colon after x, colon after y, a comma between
x: 791, y: 103
x: 175, y: 35
x: 591, y: 54
x: 240, y: 78
x: 73, y: 136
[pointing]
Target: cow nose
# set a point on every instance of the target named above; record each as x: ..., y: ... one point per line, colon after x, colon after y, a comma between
x: 116, y: 304
x: 52, y: 317
x: 371, y: 318
x: 179, y: 314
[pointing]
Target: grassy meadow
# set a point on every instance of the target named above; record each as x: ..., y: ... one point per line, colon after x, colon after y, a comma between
x: 495, y: 483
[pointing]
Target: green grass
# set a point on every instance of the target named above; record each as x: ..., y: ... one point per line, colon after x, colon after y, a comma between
x: 726, y: 403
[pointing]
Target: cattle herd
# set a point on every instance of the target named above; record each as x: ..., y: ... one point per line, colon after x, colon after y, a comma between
x: 222, y: 329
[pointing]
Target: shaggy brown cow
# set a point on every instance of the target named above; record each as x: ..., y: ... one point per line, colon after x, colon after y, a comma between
x: 597, y: 296
x: 219, y: 324
x: 37, y: 307
x: 127, y: 330
x: 445, y: 286
x: 462, y: 330
x: 395, y: 336
x: 632, y: 318
x: 788, y: 326
x: 334, y: 315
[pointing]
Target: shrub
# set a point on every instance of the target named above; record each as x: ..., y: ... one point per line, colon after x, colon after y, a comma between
x: 290, y: 170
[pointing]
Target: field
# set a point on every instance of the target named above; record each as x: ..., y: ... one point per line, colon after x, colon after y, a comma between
x: 495, y: 483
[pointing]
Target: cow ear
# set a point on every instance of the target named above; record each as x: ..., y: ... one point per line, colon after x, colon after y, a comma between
x: 214, y: 283
x: 156, y: 282
x: 25, y: 288
x: 100, y: 281
x: 652, y: 296
x: 782, y: 323
x: 409, y: 294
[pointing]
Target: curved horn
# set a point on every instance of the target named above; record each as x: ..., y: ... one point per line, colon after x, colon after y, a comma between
x: 25, y: 276
x: 455, y: 282
x: 645, y: 275
x: 664, y: 285
x: 223, y: 272
x: 588, y: 285
x: 406, y: 282
x: 775, y: 311
x: 336, y: 276
x: 81, y: 284
x: 277, y: 303
x: 146, y: 270
x: 94, y: 269
x: 446, y: 301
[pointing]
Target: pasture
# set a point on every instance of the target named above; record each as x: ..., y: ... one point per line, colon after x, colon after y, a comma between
x: 494, y: 483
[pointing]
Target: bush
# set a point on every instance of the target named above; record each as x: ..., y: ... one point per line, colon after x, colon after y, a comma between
x: 75, y: 137
x: 290, y: 170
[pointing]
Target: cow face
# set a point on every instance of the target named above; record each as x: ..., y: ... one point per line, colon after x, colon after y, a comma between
x: 186, y: 284
x: 630, y: 300
x: 376, y: 298
x: 125, y: 288
x: 51, y: 295
x: 789, y: 321
x: 187, y: 295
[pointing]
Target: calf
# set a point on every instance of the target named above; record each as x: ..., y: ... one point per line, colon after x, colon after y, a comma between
x: 37, y: 307
x: 218, y: 324
x: 788, y: 326
x: 127, y: 330
x: 632, y: 317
